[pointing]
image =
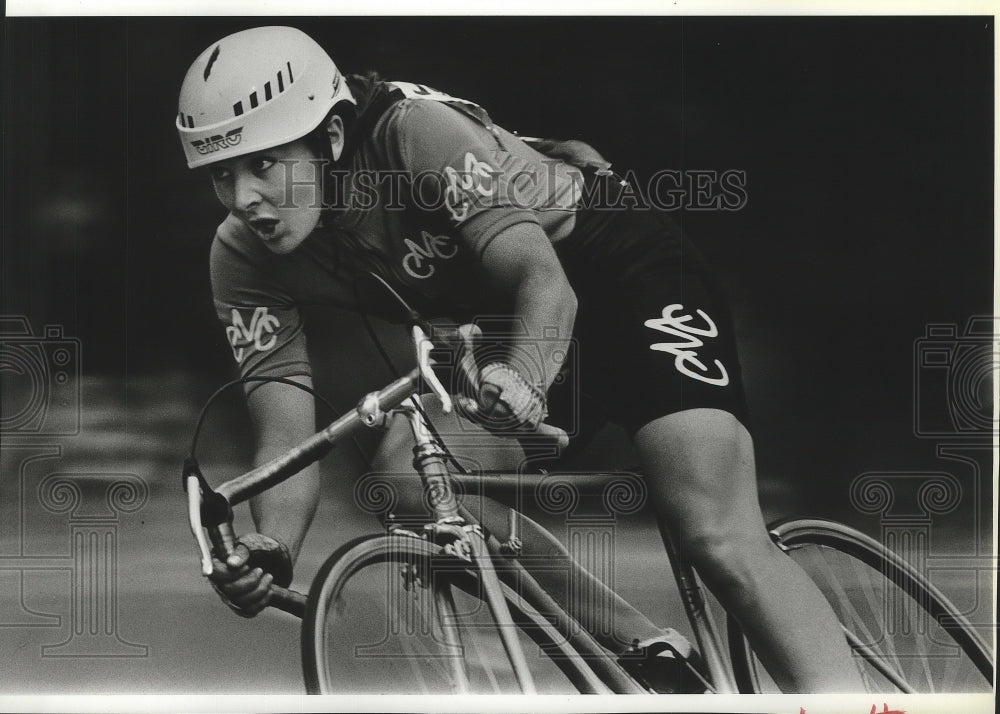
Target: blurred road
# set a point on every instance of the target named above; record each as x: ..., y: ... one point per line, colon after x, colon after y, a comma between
x: 157, y: 609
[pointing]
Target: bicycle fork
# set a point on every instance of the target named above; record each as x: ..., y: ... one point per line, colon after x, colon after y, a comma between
x: 466, y: 541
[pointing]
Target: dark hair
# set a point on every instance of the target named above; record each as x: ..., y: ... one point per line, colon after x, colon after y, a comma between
x: 362, y: 86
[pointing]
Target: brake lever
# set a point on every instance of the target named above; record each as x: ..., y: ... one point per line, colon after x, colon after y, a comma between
x: 423, y: 347
x: 194, y: 520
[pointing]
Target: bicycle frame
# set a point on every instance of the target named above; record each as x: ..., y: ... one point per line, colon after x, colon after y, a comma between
x: 453, y: 527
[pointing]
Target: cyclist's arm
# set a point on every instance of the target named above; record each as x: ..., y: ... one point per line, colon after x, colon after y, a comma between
x: 521, y: 264
x: 282, y: 417
x: 515, y: 254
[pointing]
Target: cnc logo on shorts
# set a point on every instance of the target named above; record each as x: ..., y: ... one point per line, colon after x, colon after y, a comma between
x: 685, y: 358
x: 211, y: 144
x: 432, y: 247
x: 260, y: 333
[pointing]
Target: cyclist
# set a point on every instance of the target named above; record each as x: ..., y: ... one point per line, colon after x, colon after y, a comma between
x: 327, y: 177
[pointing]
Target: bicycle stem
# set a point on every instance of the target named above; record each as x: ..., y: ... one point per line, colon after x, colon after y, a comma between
x: 429, y: 462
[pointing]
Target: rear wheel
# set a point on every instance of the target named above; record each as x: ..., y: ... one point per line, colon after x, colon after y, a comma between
x: 398, y: 614
x: 905, y: 634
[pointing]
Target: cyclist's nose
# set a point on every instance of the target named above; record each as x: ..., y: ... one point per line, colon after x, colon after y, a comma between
x: 247, y: 192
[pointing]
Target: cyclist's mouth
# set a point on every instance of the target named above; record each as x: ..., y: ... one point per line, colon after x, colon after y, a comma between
x: 266, y: 227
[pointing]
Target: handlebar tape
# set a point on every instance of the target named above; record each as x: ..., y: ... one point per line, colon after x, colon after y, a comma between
x: 279, y: 469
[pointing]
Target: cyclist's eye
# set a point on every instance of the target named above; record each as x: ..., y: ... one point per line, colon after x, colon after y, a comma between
x: 220, y: 174
x: 262, y: 163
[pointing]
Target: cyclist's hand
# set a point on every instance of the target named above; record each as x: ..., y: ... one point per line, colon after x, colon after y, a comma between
x: 507, y: 401
x: 244, y: 580
x: 502, y: 399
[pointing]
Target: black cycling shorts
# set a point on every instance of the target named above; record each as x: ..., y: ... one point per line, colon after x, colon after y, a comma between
x: 653, y: 335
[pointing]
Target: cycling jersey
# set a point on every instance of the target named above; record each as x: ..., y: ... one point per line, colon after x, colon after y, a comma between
x: 419, y: 201
x: 424, y: 191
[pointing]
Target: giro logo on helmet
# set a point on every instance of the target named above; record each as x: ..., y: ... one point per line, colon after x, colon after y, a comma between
x: 218, y: 142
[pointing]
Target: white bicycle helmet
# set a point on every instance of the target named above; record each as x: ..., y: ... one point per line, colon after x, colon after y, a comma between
x: 254, y: 90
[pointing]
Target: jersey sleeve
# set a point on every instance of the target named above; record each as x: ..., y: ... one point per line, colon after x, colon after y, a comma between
x: 452, y: 163
x: 263, y: 326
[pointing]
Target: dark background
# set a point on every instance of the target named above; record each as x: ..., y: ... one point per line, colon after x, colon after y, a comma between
x: 868, y: 149
x: 867, y: 145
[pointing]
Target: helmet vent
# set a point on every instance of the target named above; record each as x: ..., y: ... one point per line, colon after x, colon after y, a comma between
x: 254, y: 99
x: 211, y: 61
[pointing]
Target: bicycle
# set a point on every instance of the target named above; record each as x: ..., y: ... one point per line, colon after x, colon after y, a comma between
x: 434, y: 577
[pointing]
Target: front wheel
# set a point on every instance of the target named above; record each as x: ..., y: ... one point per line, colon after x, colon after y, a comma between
x: 906, y: 636
x: 398, y: 614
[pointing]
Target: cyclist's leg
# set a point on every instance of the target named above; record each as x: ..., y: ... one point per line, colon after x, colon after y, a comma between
x: 699, y: 467
x: 544, y: 556
x: 653, y: 325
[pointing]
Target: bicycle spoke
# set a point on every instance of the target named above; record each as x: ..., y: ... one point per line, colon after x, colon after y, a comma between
x: 878, y: 603
x: 890, y: 612
x: 841, y: 600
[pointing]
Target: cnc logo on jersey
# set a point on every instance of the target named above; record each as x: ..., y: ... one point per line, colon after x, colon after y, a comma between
x: 260, y: 333
x: 476, y: 179
x: 685, y: 356
x: 218, y: 142
x: 432, y: 247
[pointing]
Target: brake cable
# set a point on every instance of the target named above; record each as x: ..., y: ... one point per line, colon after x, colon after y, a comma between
x: 414, y: 317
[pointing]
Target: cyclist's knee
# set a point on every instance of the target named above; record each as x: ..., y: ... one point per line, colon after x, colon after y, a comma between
x: 727, y: 558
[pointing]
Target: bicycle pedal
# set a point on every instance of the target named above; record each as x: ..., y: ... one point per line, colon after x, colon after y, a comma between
x: 668, y: 664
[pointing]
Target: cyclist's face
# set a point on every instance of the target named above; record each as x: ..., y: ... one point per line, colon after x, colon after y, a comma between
x: 276, y: 192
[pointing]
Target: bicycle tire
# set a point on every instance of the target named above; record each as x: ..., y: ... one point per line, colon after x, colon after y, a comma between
x: 420, y: 655
x: 911, y: 639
